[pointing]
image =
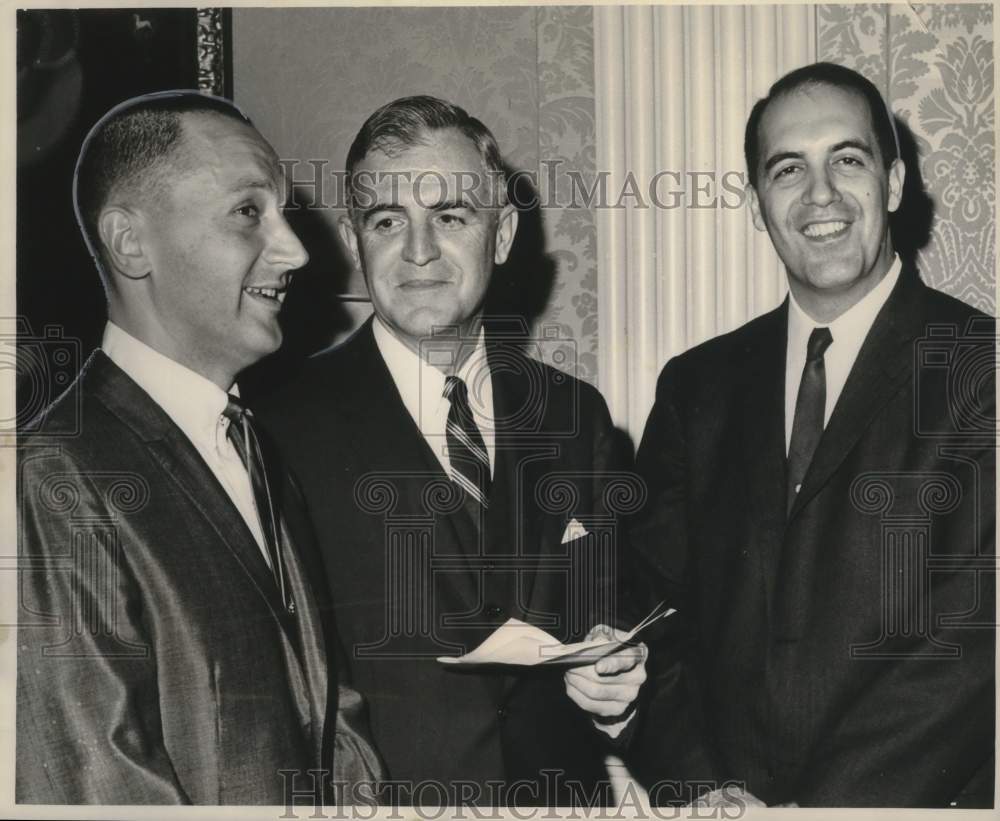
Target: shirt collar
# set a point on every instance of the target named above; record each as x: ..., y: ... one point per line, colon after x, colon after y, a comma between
x: 851, y: 327
x: 193, y: 402
x: 420, y: 384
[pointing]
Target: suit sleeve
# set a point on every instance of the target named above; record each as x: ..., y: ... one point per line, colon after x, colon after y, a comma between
x: 614, y: 489
x: 672, y: 751
x: 88, y: 722
x: 357, y: 767
x: 924, y: 726
x: 355, y: 761
x: 615, y: 486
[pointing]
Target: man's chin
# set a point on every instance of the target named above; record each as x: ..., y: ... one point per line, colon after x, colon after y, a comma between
x: 428, y: 324
x: 834, y: 276
x: 265, y: 344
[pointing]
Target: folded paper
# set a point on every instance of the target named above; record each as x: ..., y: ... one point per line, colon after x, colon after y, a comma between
x: 524, y: 645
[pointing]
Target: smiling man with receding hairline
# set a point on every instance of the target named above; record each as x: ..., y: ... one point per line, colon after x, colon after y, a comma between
x: 821, y: 506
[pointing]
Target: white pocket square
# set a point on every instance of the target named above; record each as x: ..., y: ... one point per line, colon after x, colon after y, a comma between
x: 574, y: 530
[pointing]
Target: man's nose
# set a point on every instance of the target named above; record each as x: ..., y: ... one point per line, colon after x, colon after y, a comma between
x: 421, y: 245
x: 284, y: 248
x: 821, y: 189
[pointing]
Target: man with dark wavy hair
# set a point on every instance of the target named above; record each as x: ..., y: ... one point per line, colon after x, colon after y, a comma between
x: 456, y: 484
x: 822, y: 495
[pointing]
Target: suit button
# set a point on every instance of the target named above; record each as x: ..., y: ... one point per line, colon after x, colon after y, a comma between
x: 501, y: 713
x: 494, y: 611
x: 744, y: 554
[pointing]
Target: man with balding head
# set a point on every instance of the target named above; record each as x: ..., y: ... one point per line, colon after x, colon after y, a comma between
x: 170, y: 647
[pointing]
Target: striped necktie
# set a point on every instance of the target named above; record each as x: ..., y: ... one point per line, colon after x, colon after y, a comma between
x: 470, y: 461
x: 244, y: 438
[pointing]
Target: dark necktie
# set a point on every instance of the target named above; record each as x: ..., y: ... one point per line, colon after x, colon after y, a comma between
x: 470, y: 461
x: 244, y: 438
x: 810, y: 406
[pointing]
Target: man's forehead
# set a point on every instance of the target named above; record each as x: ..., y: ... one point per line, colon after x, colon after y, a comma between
x: 444, y: 167
x: 443, y: 150
x: 233, y: 153
x: 817, y: 114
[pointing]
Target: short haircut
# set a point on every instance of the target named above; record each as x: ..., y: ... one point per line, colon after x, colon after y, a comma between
x: 131, y: 151
x: 835, y: 76
x: 406, y: 122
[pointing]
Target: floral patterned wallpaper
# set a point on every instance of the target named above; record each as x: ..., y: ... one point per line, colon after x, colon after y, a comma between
x: 528, y: 73
x: 566, y: 137
x: 934, y: 64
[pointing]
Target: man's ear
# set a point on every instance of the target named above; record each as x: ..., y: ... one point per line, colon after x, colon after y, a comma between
x: 897, y: 175
x: 506, y: 229
x: 758, y: 217
x: 120, y: 234
x: 345, y: 227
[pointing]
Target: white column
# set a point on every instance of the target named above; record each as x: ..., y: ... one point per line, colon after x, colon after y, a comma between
x: 674, y: 85
x: 612, y: 242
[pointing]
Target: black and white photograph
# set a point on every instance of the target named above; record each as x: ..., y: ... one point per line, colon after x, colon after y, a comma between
x: 520, y: 411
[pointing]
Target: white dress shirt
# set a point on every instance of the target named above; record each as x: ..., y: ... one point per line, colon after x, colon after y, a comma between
x: 848, y: 330
x: 421, y: 387
x: 195, y: 404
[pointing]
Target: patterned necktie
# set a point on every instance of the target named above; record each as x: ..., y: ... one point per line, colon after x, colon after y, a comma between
x: 244, y: 438
x: 470, y: 461
x: 810, y: 407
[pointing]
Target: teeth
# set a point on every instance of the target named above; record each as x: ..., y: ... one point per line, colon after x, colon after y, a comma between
x: 270, y: 293
x: 823, y: 229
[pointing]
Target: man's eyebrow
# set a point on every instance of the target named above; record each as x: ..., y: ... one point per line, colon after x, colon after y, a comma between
x: 774, y: 159
x: 860, y: 145
x: 449, y: 205
x: 379, y: 206
x: 244, y: 183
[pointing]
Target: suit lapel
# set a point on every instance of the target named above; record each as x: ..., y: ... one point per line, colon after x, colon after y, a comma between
x: 884, y: 363
x: 183, y: 464
x: 507, y: 520
x: 378, y: 407
x: 762, y: 438
x: 313, y: 656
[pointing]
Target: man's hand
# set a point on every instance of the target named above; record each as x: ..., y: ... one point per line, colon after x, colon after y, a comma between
x: 733, y: 797
x: 607, y: 688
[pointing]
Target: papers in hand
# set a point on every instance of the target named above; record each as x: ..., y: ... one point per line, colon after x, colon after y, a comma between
x: 518, y: 643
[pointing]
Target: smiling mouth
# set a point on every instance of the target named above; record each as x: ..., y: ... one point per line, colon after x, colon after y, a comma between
x: 274, y: 296
x: 826, y: 230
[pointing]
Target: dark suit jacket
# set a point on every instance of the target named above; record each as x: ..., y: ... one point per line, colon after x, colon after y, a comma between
x: 156, y: 662
x: 414, y: 575
x: 843, y: 654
